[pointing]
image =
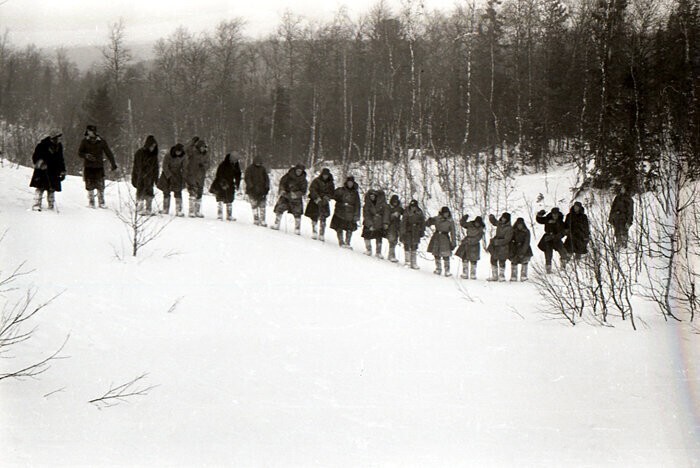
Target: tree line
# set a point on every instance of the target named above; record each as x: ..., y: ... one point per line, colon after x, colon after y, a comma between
x: 610, y: 84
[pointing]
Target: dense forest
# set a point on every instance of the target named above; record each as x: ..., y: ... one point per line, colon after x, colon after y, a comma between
x: 611, y: 84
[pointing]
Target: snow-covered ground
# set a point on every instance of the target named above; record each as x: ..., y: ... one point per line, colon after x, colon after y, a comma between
x: 269, y: 349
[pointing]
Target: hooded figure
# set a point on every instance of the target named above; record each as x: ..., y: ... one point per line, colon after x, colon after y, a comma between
x: 443, y: 241
x: 621, y: 216
x: 499, y: 246
x: 172, y: 178
x: 375, y: 221
x: 257, y: 186
x: 224, y: 186
x: 469, y: 249
x: 196, y: 166
x: 551, y: 241
x: 347, y: 211
x: 293, y: 187
x: 319, y: 209
x: 144, y: 174
x: 520, y: 250
x: 93, y: 149
x: 49, y: 170
x: 393, y: 230
x: 578, y: 231
x: 411, y: 232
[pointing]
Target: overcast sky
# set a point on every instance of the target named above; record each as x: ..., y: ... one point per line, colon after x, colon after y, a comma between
x: 84, y: 22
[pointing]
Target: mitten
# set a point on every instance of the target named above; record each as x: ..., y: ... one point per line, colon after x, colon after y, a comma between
x: 541, y: 213
x: 114, y: 167
x: 62, y: 175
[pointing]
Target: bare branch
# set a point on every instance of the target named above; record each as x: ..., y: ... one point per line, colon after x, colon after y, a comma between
x: 120, y: 393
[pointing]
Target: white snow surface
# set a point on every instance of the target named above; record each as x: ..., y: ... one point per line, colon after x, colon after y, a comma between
x: 285, y: 351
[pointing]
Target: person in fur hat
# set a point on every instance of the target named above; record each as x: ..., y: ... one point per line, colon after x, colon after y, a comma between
x: 375, y: 221
x: 224, y: 186
x: 257, y: 186
x: 196, y: 167
x: 293, y: 187
x: 411, y: 232
x: 578, y: 231
x: 469, y: 249
x: 49, y: 170
x: 499, y: 246
x: 144, y: 174
x: 393, y: 230
x: 347, y: 211
x: 443, y: 241
x: 92, y: 150
x: 621, y: 216
x: 520, y: 250
x: 172, y: 179
x: 318, y: 209
x: 551, y: 241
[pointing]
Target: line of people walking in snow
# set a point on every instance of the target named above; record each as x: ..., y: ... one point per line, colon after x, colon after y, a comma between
x: 186, y: 166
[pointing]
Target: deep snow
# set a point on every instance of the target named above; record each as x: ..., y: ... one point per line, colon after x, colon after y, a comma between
x: 283, y: 351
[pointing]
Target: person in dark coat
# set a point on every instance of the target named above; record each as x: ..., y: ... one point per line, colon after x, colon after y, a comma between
x: 318, y: 209
x: 293, y: 187
x: 172, y: 179
x: 347, y: 211
x: 621, y: 217
x: 411, y: 232
x: 224, y: 186
x: 144, y: 174
x: 257, y: 186
x: 499, y: 246
x: 469, y: 249
x: 551, y: 241
x: 196, y: 167
x: 375, y: 221
x: 393, y: 229
x: 92, y: 150
x: 578, y: 231
x: 443, y: 241
x: 49, y: 170
x: 520, y: 250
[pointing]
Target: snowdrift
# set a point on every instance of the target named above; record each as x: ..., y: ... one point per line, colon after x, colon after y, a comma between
x: 269, y: 349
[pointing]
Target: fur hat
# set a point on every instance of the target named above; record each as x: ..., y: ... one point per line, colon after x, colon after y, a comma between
x: 201, y: 145
x: 505, y: 216
x: 150, y: 140
x: 555, y: 210
x: 394, y: 200
x: 479, y: 221
x: 300, y: 166
x: 178, y: 147
x: 326, y: 171
x: 445, y: 210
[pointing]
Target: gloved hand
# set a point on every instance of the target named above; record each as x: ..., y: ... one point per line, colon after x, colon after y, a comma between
x: 114, y: 167
x: 62, y: 175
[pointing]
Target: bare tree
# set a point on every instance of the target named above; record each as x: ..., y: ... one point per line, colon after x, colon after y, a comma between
x: 120, y: 393
x: 141, y: 228
x: 116, y: 56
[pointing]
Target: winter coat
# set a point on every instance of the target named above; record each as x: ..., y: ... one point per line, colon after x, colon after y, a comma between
x: 144, y: 174
x: 347, y: 204
x: 293, y: 185
x: 412, y: 227
x: 499, y: 246
x: 520, y: 250
x: 172, y: 177
x: 49, y: 166
x: 577, y: 231
x: 395, y: 211
x: 443, y: 240
x: 320, y: 194
x: 469, y: 249
x: 197, y: 163
x: 375, y: 215
x: 93, y: 150
x: 554, y: 231
x: 622, y: 211
x: 227, y: 180
x: 257, y: 181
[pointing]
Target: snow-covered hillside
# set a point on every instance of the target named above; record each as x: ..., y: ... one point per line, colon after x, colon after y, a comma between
x: 269, y: 349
